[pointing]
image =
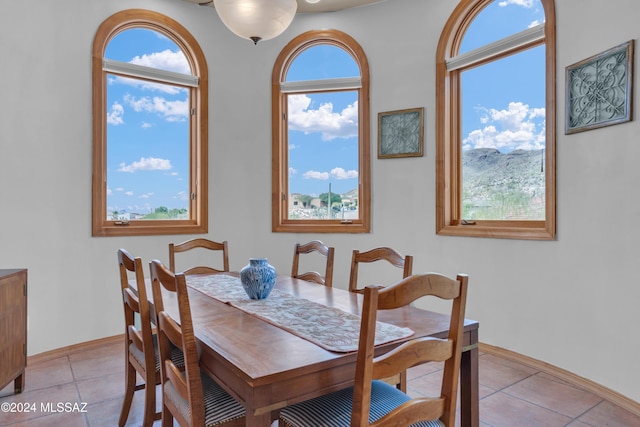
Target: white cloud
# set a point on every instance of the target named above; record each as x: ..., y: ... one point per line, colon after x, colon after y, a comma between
x: 146, y: 164
x: 292, y: 171
x: 336, y: 173
x: 172, y: 111
x: 339, y: 173
x: 537, y: 112
x: 129, y: 193
x: 165, y: 60
x: 524, y: 3
x: 316, y: 175
x: 517, y: 127
x: 114, y: 117
x: 330, y: 124
x: 145, y: 196
x: 146, y: 125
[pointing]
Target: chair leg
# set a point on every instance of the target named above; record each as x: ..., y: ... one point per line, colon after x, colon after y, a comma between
x: 130, y: 388
x: 402, y: 384
x: 167, y: 418
x: 149, y: 402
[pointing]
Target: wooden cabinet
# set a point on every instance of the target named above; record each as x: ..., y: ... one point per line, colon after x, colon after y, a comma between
x: 13, y: 327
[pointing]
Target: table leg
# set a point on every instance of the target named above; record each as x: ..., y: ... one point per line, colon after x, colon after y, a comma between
x: 469, y: 384
x: 262, y: 420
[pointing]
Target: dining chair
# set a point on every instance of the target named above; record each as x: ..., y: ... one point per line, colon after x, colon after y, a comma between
x: 394, y: 258
x: 375, y: 403
x: 141, y: 353
x: 314, y: 276
x: 203, y: 244
x: 378, y: 254
x: 189, y: 395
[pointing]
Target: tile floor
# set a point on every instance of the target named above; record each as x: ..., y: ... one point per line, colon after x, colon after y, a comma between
x: 512, y: 395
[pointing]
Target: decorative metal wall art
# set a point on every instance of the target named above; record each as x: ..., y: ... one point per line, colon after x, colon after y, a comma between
x: 599, y: 90
x: 400, y: 133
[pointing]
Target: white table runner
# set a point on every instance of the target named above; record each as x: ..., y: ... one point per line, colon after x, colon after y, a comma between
x: 328, y: 327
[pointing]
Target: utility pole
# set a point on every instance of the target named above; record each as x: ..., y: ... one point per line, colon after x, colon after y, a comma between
x: 329, y: 203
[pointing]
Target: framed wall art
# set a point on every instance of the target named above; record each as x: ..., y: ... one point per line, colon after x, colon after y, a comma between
x: 599, y: 90
x: 401, y: 133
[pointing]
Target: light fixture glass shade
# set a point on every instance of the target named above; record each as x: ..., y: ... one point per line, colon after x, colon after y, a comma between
x: 256, y: 19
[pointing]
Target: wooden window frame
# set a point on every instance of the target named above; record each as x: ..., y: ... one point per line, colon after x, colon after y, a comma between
x: 279, y: 202
x: 449, y: 219
x: 198, y: 129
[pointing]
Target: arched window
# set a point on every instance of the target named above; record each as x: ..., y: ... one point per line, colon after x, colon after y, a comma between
x: 495, y: 122
x: 320, y: 95
x: 150, y: 127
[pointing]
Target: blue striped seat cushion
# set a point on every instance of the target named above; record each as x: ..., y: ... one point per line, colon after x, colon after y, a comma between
x: 219, y: 406
x: 334, y: 410
x: 176, y: 354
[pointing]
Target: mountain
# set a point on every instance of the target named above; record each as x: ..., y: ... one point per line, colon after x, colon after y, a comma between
x: 513, y: 182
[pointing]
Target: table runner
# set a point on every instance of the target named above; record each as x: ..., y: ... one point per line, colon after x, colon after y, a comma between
x: 328, y: 327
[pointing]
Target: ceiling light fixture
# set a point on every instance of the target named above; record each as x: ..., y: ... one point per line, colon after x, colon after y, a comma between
x: 256, y: 19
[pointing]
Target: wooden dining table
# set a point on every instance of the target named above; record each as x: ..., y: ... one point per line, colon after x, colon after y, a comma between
x: 266, y: 367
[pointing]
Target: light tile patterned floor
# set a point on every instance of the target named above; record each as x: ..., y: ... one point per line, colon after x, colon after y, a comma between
x: 512, y: 395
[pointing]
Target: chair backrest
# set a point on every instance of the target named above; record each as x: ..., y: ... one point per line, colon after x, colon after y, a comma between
x: 180, y: 333
x: 314, y: 276
x: 204, y: 244
x: 135, y: 301
x: 411, y: 353
x: 378, y: 254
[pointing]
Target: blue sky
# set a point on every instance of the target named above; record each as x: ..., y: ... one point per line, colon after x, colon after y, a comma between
x: 323, y: 127
x: 147, y: 165
x: 506, y: 108
x: 147, y: 161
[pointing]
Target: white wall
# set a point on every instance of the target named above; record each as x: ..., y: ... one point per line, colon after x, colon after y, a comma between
x: 570, y: 302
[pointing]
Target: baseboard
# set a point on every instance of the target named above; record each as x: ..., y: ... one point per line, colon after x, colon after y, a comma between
x: 65, y: 351
x: 588, y: 385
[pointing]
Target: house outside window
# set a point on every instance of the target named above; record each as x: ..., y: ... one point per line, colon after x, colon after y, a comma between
x: 320, y: 176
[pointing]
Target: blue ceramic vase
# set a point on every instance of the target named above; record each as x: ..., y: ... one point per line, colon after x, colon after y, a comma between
x: 258, y: 278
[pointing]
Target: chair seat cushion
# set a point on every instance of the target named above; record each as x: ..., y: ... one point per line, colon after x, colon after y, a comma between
x: 219, y: 406
x: 334, y: 410
x: 176, y: 354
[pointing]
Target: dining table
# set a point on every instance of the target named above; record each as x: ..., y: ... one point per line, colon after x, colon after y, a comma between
x: 266, y: 364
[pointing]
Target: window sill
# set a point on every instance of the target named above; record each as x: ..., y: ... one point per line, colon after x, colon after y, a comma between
x: 525, y: 230
x: 147, y: 228
x: 321, y: 226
